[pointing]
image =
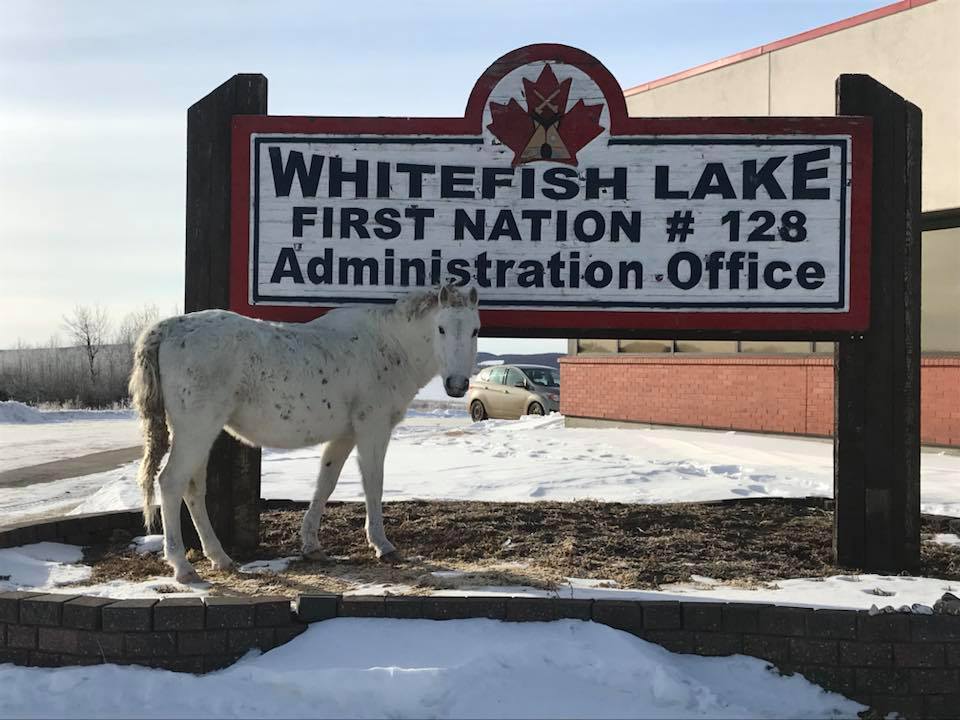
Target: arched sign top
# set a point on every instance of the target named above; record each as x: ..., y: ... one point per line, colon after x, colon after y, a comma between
x: 568, y: 215
x: 533, y: 59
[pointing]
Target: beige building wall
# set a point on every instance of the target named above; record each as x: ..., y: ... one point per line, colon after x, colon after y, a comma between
x: 732, y: 90
x: 914, y: 52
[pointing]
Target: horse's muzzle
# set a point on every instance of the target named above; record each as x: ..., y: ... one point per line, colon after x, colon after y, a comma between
x: 456, y: 385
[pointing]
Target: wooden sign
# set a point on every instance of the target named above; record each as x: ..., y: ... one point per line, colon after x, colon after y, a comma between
x: 565, y: 213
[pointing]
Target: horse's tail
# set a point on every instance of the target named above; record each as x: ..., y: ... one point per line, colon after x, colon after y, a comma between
x: 148, y: 400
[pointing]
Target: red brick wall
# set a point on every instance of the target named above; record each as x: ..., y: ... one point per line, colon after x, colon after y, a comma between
x: 760, y: 393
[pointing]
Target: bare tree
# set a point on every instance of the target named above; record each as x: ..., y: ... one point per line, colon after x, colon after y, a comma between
x: 88, y: 328
x: 135, y: 323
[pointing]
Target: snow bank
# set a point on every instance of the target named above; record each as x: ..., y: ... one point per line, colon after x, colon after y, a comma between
x: 12, y: 411
x: 350, y: 668
x: 41, y: 566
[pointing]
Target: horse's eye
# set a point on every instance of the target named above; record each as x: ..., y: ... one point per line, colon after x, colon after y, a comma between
x: 442, y: 331
x: 475, y: 333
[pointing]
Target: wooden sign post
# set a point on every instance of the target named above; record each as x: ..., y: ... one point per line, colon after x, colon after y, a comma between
x: 233, y: 469
x: 877, y: 398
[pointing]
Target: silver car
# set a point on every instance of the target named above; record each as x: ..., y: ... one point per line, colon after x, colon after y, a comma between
x: 509, y: 391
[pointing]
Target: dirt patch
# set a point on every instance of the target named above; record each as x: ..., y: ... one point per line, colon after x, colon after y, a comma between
x: 540, y: 544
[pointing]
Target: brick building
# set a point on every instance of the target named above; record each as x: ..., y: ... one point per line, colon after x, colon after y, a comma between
x: 788, y: 386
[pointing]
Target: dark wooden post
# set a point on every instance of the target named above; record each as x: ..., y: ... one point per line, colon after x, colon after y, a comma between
x: 877, y: 399
x: 233, y: 470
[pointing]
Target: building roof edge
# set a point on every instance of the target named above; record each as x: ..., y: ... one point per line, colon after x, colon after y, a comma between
x: 818, y: 32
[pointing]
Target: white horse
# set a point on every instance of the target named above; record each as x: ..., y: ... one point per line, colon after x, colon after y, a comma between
x: 345, y: 379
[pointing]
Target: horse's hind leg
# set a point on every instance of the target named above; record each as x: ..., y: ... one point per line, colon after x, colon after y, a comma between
x: 187, y: 454
x: 196, y: 497
x: 334, y: 455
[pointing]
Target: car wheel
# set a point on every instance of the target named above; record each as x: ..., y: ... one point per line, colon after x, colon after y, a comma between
x: 477, y: 411
x: 535, y: 409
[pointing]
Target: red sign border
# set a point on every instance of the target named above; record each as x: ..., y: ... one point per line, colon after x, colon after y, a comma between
x: 509, y: 322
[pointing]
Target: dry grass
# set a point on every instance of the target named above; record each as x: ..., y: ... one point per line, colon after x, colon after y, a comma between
x: 539, y: 544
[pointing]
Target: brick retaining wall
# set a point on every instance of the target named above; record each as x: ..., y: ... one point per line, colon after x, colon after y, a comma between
x: 191, y: 634
x: 892, y: 662
x: 782, y: 394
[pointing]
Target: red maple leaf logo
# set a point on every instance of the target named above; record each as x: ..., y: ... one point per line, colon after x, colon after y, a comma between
x: 546, y: 130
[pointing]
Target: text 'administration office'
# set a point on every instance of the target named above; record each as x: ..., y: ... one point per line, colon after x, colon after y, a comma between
x: 787, y: 387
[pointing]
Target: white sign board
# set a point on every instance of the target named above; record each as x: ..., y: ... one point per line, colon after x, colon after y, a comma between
x: 556, y: 202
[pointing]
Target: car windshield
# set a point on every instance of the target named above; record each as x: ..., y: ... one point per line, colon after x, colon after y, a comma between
x: 548, y: 377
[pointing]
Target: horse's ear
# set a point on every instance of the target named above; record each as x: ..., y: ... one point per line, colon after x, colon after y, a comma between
x: 444, y: 296
x: 472, y: 298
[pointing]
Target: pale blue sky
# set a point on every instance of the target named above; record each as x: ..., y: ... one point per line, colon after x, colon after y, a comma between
x: 93, y: 99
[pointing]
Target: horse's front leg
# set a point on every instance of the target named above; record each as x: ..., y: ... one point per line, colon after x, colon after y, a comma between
x: 372, y: 443
x: 334, y: 455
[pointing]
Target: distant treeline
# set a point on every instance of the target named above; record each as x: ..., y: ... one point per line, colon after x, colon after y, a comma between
x: 91, y: 371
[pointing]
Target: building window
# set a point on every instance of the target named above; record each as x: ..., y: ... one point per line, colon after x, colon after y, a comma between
x: 596, y: 346
x: 646, y: 346
x: 940, y: 291
x: 770, y: 347
x: 706, y: 346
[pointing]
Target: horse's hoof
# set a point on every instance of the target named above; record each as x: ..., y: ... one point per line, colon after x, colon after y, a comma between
x: 186, y: 577
x: 391, y: 558
x: 317, y: 555
x: 222, y: 565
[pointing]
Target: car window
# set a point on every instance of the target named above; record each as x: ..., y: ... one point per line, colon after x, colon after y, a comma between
x: 496, y: 375
x: 547, y: 377
x: 514, y: 376
x: 484, y: 375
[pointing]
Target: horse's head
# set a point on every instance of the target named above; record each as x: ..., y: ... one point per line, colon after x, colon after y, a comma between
x: 455, y: 338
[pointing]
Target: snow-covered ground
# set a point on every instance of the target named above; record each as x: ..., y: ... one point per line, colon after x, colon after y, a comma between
x: 365, y: 667
x: 479, y: 668
x: 442, y: 455
x: 31, y: 437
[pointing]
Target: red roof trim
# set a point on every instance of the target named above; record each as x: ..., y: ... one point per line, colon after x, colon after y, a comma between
x: 860, y: 19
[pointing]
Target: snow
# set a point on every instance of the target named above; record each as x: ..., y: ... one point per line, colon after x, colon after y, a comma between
x: 13, y: 412
x: 365, y: 667
x: 153, y: 588
x: 16, y: 412
x: 42, y: 566
x: 59, y: 497
x: 146, y: 544
x: 260, y: 567
x: 25, y: 444
x: 438, y: 454
x: 850, y: 592
x: 946, y: 539
x: 441, y: 455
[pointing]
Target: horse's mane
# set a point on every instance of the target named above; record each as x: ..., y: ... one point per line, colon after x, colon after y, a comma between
x: 420, y: 302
